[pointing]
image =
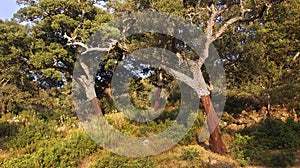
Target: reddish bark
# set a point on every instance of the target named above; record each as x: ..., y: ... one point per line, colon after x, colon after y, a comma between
x: 97, y: 107
x: 215, y: 141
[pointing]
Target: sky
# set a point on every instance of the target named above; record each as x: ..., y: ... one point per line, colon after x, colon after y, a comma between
x: 8, y: 8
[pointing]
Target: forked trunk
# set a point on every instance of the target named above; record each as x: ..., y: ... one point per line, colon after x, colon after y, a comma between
x: 215, y: 140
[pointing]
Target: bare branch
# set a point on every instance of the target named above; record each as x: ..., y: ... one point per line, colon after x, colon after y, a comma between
x: 197, y: 85
x: 296, y: 56
x: 205, y: 53
x: 225, y: 26
x: 211, y: 21
x: 4, y: 82
x: 223, y: 9
x: 71, y: 41
x: 230, y: 21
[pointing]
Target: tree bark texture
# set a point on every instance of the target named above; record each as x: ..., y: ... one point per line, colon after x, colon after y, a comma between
x: 158, y: 93
x: 215, y: 141
x: 97, y: 107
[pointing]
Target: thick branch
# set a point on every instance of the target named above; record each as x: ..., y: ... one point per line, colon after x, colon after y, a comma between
x: 223, y: 9
x: 230, y: 21
x: 197, y: 84
x: 180, y: 76
x: 211, y: 21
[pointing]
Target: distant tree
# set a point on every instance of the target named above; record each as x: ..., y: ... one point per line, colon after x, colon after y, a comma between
x: 52, y: 55
x: 50, y: 20
x: 265, y: 62
x: 15, y: 70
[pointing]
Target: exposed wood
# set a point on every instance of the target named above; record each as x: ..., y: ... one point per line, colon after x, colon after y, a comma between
x: 97, y: 107
x: 215, y: 141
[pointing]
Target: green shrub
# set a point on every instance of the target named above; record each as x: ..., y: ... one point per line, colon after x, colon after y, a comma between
x: 20, y: 162
x: 275, y: 134
x: 113, y: 161
x: 240, y: 148
x: 282, y: 159
x: 269, y: 136
x: 66, y: 152
x: 79, y: 144
x: 189, y: 155
x: 8, y: 129
x: 57, y: 152
x: 237, y: 101
x: 36, y: 131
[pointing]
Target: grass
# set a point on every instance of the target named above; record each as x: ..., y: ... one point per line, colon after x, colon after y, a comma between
x: 38, y: 142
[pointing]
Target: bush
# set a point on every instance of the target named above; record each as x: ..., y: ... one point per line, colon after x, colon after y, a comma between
x: 8, y: 129
x: 66, y: 152
x: 189, y: 155
x: 20, y: 162
x: 240, y: 148
x: 275, y: 134
x: 36, y: 131
x: 57, y: 152
x: 189, y: 138
x: 237, y: 101
x: 282, y: 159
x: 113, y: 161
x: 268, y: 137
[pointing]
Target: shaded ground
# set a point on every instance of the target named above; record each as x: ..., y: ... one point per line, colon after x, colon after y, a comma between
x: 297, y: 161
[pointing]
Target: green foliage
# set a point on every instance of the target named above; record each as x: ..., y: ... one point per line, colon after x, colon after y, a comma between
x: 14, y: 78
x: 236, y: 102
x: 8, y: 129
x: 140, y: 93
x: 282, y: 159
x: 36, y: 67
x: 56, y: 152
x: 68, y: 152
x: 113, y: 161
x: 275, y: 134
x: 288, y: 95
x: 189, y: 155
x: 50, y: 57
x: 30, y: 134
x: 189, y: 138
x: 22, y: 162
x: 238, y: 151
x: 264, y: 60
x: 267, y: 138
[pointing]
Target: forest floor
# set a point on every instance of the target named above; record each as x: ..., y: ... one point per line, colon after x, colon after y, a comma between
x: 188, y: 154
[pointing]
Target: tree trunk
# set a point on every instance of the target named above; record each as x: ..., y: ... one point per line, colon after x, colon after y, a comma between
x: 215, y: 141
x: 97, y: 107
x: 158, y: 92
